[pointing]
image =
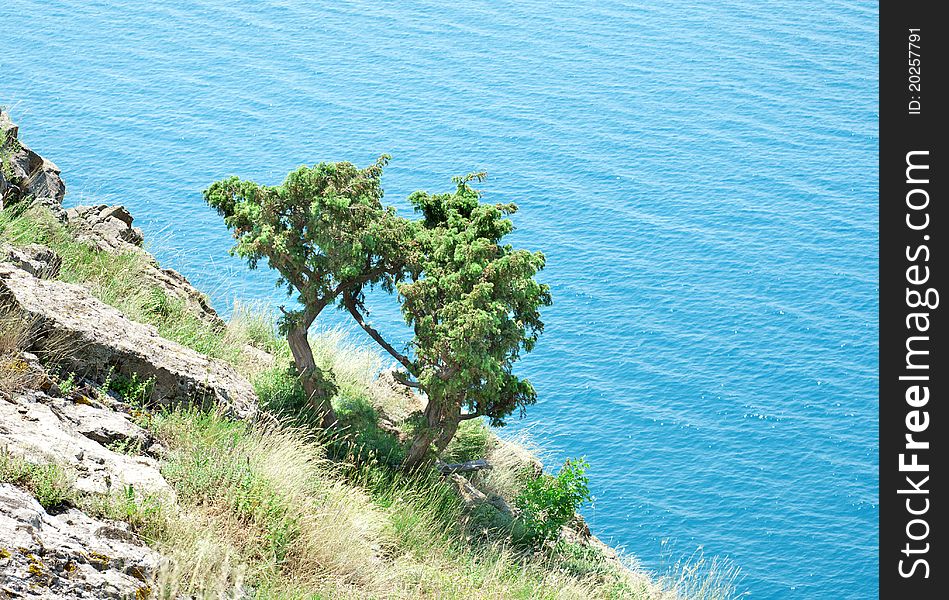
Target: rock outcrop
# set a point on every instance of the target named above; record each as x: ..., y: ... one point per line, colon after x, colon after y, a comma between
x: 70, y: 555
x: 35, y: 259
x: 88, y: 337
x: 27, y: 176
x: 108, y: 227
x: 42, y: 429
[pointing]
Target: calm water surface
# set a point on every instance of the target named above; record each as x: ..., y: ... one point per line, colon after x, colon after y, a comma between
x: 701, y: 176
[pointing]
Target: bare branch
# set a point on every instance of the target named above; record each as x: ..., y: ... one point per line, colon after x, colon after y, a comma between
x: 404, y: 380
x: 349, y: 302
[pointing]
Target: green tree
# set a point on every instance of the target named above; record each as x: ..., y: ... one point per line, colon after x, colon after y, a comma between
x: 473, y: 304
x: 327, y: 233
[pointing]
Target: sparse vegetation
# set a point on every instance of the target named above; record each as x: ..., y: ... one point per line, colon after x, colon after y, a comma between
x: 15, y: 374
x: 8, y: 146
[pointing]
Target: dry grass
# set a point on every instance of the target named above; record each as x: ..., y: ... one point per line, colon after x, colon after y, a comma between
x: 698, y: 577
x: 264, y: 508
x: 15, y: 373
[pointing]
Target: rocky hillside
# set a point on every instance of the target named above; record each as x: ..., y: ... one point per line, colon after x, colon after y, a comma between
x: 149, y: 449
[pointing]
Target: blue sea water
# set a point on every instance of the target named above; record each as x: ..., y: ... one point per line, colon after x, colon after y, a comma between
x: 702, y: 177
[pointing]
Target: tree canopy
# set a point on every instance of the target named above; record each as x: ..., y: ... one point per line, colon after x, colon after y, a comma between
x: 473, y: 303
x: 326, y: 232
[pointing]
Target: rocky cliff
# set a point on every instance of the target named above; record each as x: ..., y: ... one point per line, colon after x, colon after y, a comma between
x: 84, y: 427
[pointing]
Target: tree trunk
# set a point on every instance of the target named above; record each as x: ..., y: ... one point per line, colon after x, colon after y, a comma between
x: 442, y: 417
x: 449, y: 427
x: 306, y: 367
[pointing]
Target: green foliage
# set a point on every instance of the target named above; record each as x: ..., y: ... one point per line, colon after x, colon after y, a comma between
x: 48, y: 483
x: 327, y: 233
x: 280, y: 392
x: 487, y: 521
x: 361, y: 439
x: 548, y: 503
x: 475, y: 304
x: 129, y: 447
x: 7, y: 148
x: 324, y: 230
x: 106, y: 384
x: 67, y: 385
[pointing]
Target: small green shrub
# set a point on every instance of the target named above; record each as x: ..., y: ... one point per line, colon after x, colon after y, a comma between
x: 135, y: 390
x: 66, y: 386
x: 548, y: 503
x: 362, y: 439
x: 280, y: 391
x: 487, y: 520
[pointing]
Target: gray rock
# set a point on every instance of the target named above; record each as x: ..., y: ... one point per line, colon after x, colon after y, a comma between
x: 102, y: 425
x: 469, y: 494
x: 90, y: 338
x: 70, y: 555
x: 37, y: 428
x: 108, y: 227
x: 35, y: 259
x: 28, y: 176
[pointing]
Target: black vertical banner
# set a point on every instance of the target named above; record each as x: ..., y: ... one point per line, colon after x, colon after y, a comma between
x: 914, y: 371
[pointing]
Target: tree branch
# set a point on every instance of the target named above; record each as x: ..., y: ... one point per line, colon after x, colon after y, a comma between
x: 474, y: 415
x: 465, y: 467
x: 404, y: 380
x: 350, y: 303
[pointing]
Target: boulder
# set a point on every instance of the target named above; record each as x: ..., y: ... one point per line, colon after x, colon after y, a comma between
x: 69, y: 555
x: 108, y: 227
x: 178, y: 287
x: 35, y: 259
x: 469, y: 494
x: 82, y: 334
x: 108, y: 427
x: 27, y: 176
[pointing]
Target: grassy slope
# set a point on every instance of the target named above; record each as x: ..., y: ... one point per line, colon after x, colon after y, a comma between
x: 281, y: 513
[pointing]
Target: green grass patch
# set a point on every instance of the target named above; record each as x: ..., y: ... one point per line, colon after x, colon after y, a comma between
x: 471, y: 442
x: 49, y: 483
